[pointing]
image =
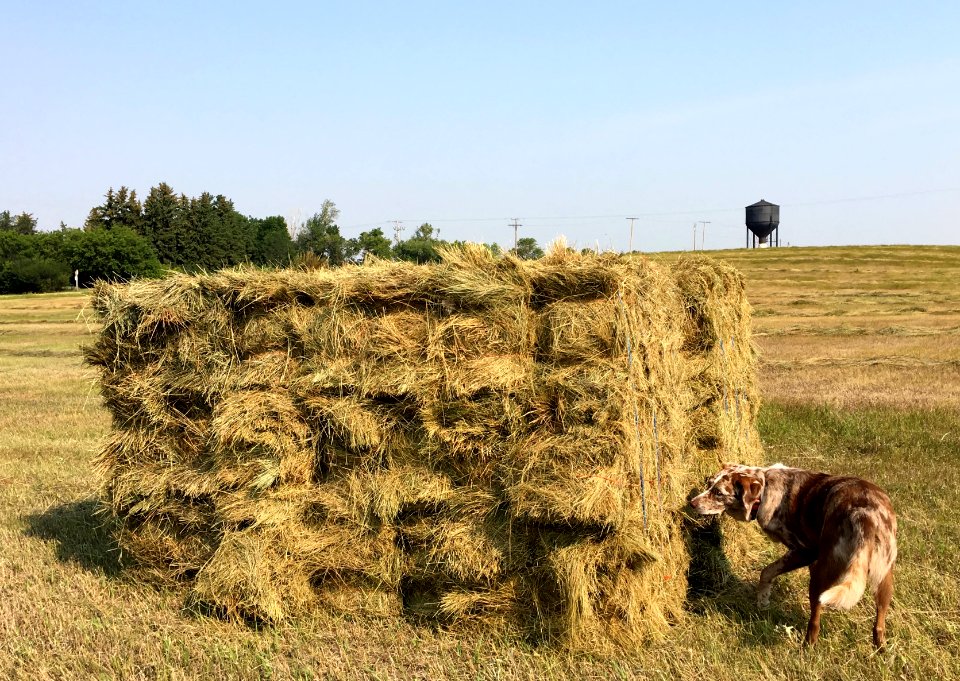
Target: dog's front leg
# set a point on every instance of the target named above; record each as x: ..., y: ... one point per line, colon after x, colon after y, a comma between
x: 791, y: 560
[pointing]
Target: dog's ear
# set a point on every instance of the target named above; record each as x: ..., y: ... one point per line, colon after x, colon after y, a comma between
x: 752, y: 488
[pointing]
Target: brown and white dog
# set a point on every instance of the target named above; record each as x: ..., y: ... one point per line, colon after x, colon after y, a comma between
x: 844, y: 528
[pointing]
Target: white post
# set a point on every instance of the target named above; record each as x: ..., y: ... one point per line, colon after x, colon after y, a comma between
x: 76, y: 278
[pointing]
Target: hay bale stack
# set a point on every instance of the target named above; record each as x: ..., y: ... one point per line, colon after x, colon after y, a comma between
x: 720, y: 358
x: 487, y: 438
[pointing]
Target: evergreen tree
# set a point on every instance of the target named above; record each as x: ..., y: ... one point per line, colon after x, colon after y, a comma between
x: 163, y: 223
x: 119, y: 209
x: 200, y: 244
x: 272, y: 245
x: 24, y: 223
x: 207, y: 232
x: 235, y: 234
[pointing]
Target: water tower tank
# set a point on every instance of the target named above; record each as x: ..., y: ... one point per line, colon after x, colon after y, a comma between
x: 762, y: 218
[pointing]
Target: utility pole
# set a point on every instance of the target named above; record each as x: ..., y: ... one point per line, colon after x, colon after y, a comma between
x: 703, y: 235
x: 397, y: 230
x: 630, y: 247
x: 516, y: 225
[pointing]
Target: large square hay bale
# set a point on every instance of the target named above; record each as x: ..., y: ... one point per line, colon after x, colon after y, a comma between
x: 486, y: 438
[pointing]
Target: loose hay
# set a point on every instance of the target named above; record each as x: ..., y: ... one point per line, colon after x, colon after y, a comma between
x: 486, y: 439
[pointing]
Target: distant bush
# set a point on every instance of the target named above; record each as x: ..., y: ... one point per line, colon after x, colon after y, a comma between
x: 33, y: 275
x: 112, y: 254
x: 15, y: 245
x: 45, y: 261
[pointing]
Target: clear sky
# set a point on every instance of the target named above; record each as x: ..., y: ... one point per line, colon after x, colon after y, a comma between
x: 570, y: 116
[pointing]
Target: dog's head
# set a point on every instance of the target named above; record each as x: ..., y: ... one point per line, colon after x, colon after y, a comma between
x: 735, y: 490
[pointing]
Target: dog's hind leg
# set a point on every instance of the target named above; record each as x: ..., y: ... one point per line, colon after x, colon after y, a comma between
x: 816, y: 608
x: 791, y: 560
x: 882, y: 597
x: 825, y: 573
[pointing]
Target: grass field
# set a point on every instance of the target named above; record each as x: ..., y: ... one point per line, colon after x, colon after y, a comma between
x: 860, y: 373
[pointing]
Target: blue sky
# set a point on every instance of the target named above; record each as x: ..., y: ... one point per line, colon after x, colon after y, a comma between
x: 568, y: 116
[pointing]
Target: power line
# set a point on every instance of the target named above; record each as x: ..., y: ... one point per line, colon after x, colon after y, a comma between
x: 701, y: 211
x: 875, y: 197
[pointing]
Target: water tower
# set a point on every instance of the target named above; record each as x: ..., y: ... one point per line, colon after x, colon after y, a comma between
x: 763, y: 219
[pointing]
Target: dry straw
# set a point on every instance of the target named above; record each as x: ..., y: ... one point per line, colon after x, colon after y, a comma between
x: 720, y: 357
x: 486, y: 439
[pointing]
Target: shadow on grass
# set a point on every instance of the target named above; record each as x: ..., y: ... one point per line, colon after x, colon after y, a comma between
x: 714, y: 588
x: 81, y: 534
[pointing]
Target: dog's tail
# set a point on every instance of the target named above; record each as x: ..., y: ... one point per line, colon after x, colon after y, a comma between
x: 872, y: 560
x: 847, y: 592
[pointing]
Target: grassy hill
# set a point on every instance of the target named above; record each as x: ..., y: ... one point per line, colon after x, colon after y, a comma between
x: 860, y: 373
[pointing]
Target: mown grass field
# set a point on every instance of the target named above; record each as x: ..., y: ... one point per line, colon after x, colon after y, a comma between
x: 860, y: 374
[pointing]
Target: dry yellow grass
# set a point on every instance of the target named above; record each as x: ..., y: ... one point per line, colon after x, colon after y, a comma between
x: 857, y: 326
x: 68, y: 609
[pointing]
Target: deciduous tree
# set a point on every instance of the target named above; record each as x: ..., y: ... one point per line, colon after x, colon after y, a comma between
x: 372, y: 242
x: 321, y: 235
x: 527, y: 248
x: 118, y: 253
x: 421, y: 247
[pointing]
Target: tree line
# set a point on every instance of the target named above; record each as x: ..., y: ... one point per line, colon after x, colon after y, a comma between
x: 123, y: 238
